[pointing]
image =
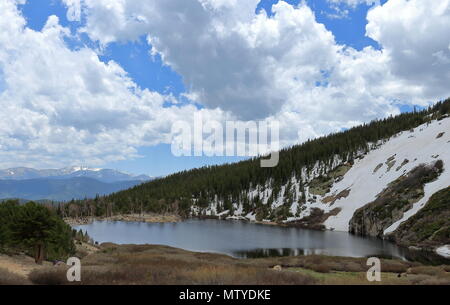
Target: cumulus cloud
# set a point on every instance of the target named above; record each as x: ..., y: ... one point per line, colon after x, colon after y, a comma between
x: 67, y: 105
x: 73, y: 9
x: 62, y: 106
x: 252, y: 65
x: 202, y: 41
x: 414, y: 36
x: 354, y: 3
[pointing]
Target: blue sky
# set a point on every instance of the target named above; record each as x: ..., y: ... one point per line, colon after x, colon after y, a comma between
x: 345, y: 22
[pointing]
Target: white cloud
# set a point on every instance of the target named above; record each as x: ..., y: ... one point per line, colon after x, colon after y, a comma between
x: 415, y: 36
x: 73, y: 9
x: 354, y: 3
x: 252, y: 65
x: 257, y: 66
x: 67, y: 106
x: 61, y: 106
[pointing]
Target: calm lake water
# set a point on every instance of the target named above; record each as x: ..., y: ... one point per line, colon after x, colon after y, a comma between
x: 248, y: 240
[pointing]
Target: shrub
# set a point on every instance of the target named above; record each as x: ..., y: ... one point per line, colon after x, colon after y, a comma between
x: 321, y: 268
x: 394, y: 266
x: 427, y: 270
x: 47, y: 276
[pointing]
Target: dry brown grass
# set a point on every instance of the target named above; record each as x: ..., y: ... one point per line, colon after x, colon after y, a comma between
x: 428, y: 270
x: 161, y: 265
x: 346, y: 264
x: 321, y: 268
x: 9, y: 278
x: 49, y: 276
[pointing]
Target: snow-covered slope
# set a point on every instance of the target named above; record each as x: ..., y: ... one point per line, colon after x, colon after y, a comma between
x: 369, y: 175
x: 423, y: 145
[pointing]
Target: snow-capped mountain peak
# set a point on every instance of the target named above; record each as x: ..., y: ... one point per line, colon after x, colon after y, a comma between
x: 103, y: 175
x: 73, y: 169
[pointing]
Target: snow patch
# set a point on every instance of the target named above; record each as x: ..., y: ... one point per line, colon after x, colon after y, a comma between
x: 251, y: 217
x: 444, y: 251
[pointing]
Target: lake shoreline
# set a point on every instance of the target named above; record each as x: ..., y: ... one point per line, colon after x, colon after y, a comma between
x: 440, y: 250
x: 145, y: 218
x: 277, y: 244
x: 288, y: 224
x: 173, y: 218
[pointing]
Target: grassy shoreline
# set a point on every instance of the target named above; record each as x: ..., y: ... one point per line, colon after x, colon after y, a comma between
x: 162, y: 265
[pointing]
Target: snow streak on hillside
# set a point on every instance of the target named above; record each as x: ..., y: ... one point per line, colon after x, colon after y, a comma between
x: 360, y: 184
x: 423, y: 145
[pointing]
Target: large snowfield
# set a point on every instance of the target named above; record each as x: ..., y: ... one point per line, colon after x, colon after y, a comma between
x: 418, y: 146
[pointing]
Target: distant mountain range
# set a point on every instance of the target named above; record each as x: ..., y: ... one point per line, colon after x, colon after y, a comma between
x: 60, y: 189
x: 64, y: 184
x: 103, y: 175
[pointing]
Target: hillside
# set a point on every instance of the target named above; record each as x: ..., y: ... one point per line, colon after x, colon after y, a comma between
x: 318, y: 184
x: 430, y: 225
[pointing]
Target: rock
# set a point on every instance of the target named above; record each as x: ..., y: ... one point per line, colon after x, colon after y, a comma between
x: 391, y: 204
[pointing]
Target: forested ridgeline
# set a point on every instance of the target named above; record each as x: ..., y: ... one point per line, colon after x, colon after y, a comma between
x: 230, y: 183
x: 34, y: 229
